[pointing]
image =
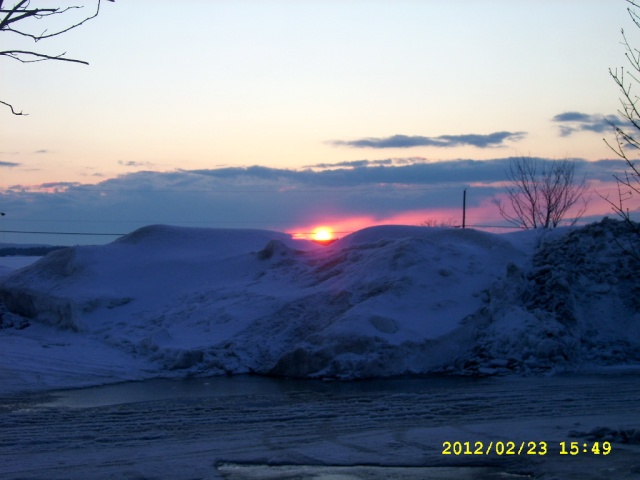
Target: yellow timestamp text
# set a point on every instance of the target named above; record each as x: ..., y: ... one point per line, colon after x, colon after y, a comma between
x: 525, y: 448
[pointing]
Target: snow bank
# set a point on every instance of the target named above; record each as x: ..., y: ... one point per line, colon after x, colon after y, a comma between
x: 575, y: 305
x: 383, y: 301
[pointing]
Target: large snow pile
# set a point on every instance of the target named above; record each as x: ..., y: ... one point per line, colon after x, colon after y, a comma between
x: 576, y: 304
x: 383, y: 301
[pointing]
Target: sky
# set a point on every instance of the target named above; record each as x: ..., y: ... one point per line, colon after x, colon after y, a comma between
x: 226, y: 113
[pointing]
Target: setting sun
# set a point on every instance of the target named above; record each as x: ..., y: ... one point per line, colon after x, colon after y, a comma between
x: 322, y: 234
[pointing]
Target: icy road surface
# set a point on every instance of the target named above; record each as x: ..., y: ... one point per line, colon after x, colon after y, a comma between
x: 257, y: 428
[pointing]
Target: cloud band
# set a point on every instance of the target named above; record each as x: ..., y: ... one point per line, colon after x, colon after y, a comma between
x: 491, y: 140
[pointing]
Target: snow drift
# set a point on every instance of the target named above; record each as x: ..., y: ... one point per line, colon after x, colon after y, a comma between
x: 383, y: 301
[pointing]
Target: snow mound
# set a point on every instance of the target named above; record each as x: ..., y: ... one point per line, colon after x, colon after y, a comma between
x: 384, y: 301
x: 155, y: 239
x: 388, y: 233
x: 576, y: 305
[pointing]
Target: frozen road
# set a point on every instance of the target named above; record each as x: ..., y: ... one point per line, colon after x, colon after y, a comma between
x: 256, y: 428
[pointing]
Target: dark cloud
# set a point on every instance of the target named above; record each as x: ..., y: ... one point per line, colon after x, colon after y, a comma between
x: 491, y: 140
x: 260, y: 197
x: 133, y: 163
x: 572, y: 122
x: 363, y: 174
x: 352, y: 163
x: 370, y: 163
x: 604, y: 170
x: 9, y: 164
x: 573, y: 117
x: 59, y: 185
x: 42, y: 151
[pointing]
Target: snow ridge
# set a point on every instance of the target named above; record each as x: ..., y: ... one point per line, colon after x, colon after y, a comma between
x: 384, y: 301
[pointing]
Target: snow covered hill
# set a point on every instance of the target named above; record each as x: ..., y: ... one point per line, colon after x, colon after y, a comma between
x: 391, y: 300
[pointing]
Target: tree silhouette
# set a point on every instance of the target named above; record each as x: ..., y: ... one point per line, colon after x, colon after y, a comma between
x: 626, y: 135
x: 540, y: 193
x: 27, y: 21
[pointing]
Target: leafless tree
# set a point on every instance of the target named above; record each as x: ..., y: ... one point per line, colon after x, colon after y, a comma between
x: 432, y: 222
x: 540, y: 193
x: 626, y: 140
x: 22, y: 19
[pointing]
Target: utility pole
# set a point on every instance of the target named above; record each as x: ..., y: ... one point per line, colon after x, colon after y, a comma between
x: 464, y: 208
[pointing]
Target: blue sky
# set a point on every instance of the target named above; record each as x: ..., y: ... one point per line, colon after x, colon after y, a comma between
x: 286, y: 84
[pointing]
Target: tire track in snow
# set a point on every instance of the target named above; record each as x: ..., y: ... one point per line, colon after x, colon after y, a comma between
x: 398, y: 424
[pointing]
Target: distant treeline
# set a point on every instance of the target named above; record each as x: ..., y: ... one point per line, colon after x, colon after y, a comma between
x: 34, y: 251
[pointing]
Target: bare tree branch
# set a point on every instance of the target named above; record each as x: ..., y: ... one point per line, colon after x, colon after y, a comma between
x: 39, y: 13
x: 40, y: 57
x: 21, y: 11
x: 541, y: 193
x: 626, y: 139
x: 12, y: 109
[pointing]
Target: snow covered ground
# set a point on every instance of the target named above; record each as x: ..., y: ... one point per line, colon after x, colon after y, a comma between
x: 249, y: 428
x: 384, y: 301
x: 506, y: 316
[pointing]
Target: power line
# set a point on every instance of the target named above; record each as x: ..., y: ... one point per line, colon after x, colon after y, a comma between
x: 108, y: 234
x: 122, y: 234
x: 63, y: 233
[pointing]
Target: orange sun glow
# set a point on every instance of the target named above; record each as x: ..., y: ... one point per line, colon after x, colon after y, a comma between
x: 322, y: 234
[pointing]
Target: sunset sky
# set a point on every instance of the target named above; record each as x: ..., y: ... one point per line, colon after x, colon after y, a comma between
x: 286, y: 114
